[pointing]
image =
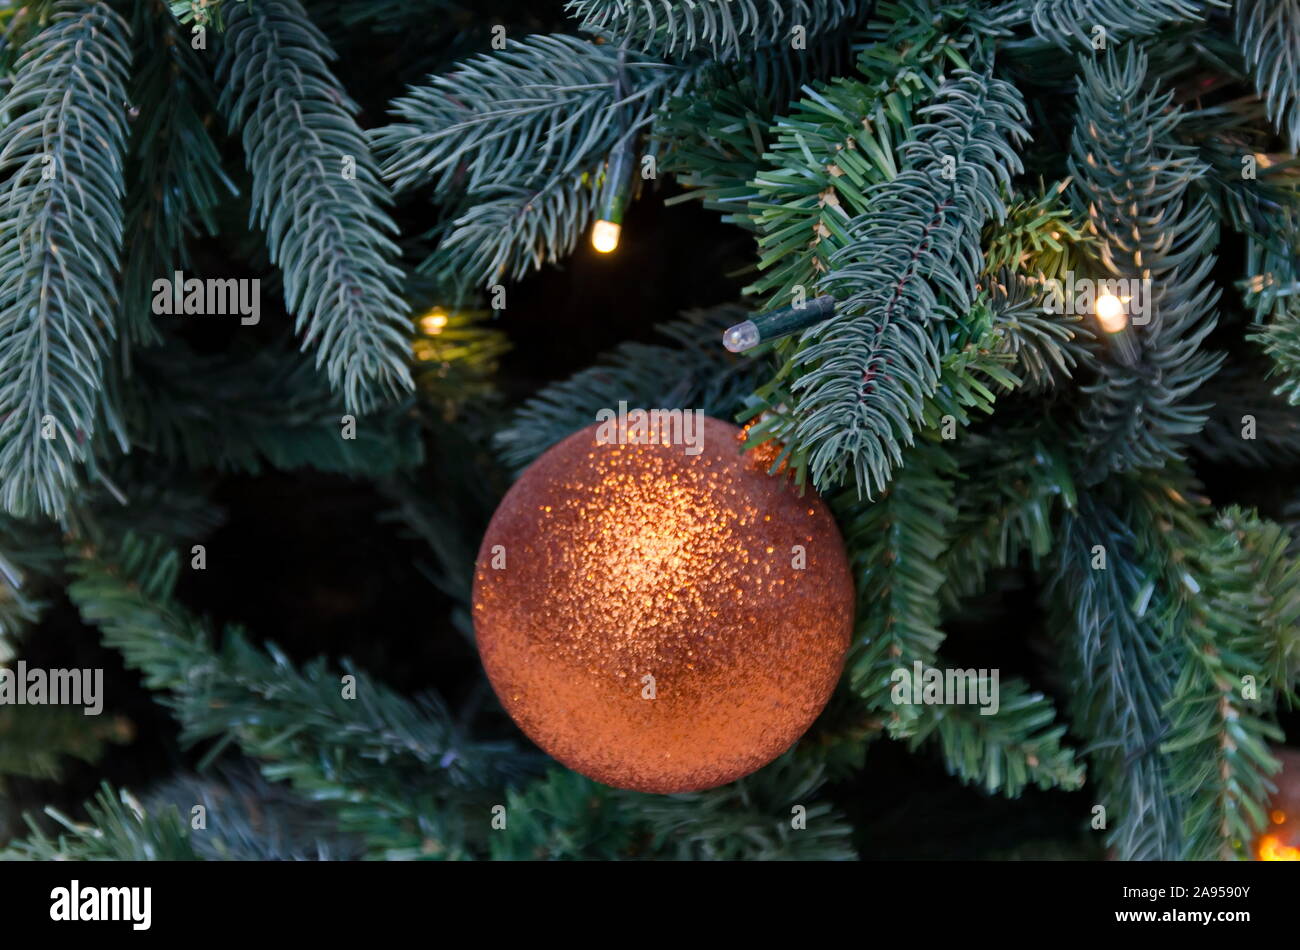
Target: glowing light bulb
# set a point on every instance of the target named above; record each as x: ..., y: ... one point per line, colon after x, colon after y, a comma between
x: 433, y: 322
x: 604, y: 236
x: 1111, y: 313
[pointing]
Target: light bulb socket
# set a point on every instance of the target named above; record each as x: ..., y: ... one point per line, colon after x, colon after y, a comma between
x: 617, y: 191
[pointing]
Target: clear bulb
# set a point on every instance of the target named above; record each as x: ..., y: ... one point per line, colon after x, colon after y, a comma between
x: 741, y: 337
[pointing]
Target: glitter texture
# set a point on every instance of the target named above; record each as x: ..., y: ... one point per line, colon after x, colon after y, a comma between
x: 627, y: 560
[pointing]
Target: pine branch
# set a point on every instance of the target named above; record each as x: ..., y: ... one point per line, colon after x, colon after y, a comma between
x: 1259, y: 204
x: 972, y: 375
x: 715, y: 138
x: 910, y: 269
x: 30, y: 554
x: 361, y: 756
x: 1007, y: 750
x: 119, y: 830
x: 523, y: 134
x: 1046, y: 349
x: 703, y: 376
x: 1207, y: 592
x: 817, y: 175
x: 509, y: 231
x: 1204, y: 593
x: 1121, y: 675
x: 546, y: 105
x: 1268, y: 32
x: 1276, y: 575
x: 130, y: 598
x: 717, y: 135
x: 725, y: 29
x: 1280, y: 340
x: 244, y: 410
x: 174, y: 173
x: 1219, y: 738
x: 894, y: 545
x: 1132, y: 179
x: 60, y: 237
x: 37, y: 742
x: 566, y: 816
x: 202, y: 12
x: 250, y: 819
x: 1013, y: 485
x: 751, y: 819
x: 844, y: 137
x: 1272, y: 282
x: 1069, y: 23
x: 326, y: 230
x: 1041, y: 238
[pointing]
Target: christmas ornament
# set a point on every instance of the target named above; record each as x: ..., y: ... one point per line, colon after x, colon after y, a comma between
x: 1280, y: 841
x: 657, y: 612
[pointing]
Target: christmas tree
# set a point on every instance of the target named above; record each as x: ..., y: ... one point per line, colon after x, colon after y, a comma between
x: 292, y: 292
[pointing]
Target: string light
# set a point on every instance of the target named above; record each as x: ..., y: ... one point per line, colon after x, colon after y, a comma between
x: 430, y: 324
x: 1112, y: 315
x: 604, y: 236
x: 433, y: 322
x: 608, y: 228
x: 749, y: 333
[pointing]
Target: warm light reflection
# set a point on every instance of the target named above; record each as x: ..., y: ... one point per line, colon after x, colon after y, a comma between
x: 1271, y: 848
x: 433, y: 322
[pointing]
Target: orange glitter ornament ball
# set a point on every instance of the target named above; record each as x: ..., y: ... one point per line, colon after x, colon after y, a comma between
x: 1280, y: 839
x: 658, y: 620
